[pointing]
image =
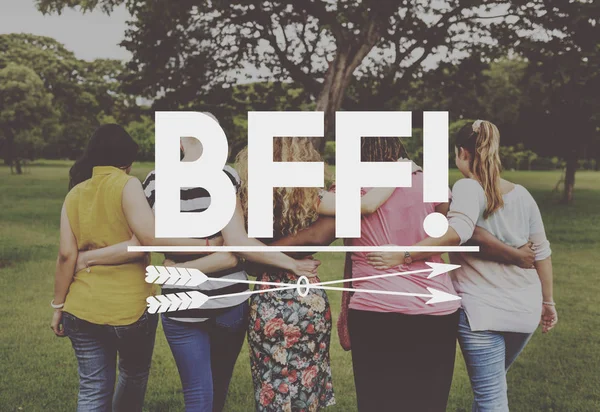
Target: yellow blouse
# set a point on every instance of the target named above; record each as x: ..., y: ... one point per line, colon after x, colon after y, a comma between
x: 106, y: 295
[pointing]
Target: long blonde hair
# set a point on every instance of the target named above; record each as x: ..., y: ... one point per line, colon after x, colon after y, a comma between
x: 295, y: 208
x: 482, y: 140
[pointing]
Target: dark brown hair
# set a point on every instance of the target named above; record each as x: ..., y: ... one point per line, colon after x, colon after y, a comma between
x: 382, y: 149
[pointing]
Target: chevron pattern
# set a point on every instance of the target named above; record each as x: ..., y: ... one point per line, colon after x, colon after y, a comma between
x: 163, y: 275
x: 176, y: 301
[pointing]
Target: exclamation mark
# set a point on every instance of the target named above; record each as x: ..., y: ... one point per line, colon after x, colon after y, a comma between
x: 435, y: 169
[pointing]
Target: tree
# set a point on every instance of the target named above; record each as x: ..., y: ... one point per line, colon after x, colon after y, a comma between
x: 373, y: 48
x: 26, y: 108
x: 82, y: 91
x: 563, y: 85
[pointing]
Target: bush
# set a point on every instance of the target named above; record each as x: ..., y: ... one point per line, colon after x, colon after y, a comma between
x: 142, y: 132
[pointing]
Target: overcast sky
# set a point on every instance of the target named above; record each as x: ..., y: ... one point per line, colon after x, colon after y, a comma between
x: 89, y: 36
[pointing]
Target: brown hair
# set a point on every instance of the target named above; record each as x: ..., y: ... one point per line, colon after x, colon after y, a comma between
x: 382, y: 149
x: 482, y: 140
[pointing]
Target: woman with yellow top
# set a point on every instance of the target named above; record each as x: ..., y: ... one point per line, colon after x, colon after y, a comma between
x: 102, y: 309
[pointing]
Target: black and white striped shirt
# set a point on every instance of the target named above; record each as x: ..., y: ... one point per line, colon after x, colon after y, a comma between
x: 197, y: 200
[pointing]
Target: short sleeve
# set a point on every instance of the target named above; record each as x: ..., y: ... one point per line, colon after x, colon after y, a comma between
x: 468, y: 203
x: 148, y: 187
x: 233, y: 176
x: 537, y: 232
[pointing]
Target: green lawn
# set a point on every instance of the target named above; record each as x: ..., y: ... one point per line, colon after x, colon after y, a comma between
x: 557, y: 372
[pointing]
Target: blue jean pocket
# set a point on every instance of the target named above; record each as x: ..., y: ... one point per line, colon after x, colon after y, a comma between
x: 234, y: 317
x: 69, y: 323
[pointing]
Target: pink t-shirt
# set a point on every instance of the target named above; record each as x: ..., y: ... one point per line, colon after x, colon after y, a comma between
x: 399, y: 221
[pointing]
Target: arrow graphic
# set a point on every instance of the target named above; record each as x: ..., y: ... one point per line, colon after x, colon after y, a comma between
x: 163, y: 275
x: 176, y: 301
x: 437, y: 296
x: 436, y: 269
x: 194, y: 299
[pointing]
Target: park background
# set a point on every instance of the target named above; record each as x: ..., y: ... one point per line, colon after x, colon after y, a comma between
x: 531, y: 67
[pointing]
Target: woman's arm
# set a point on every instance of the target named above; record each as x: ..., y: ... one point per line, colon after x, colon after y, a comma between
x: 65, y: 265
x: 549, y: 314
x: 235, y: 235
x: 369, y: 203
x: 214, y: 262
x: 543, y: 264
x: 386, y: 260
x: 491, y: 248
x: 116, y: 254
x: 140, y: 218
x: 319, y: 233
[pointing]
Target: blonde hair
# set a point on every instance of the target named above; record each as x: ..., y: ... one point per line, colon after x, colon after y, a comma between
x: 482, y: 140
x: 295, y: 208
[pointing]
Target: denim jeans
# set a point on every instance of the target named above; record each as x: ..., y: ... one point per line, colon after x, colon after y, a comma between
x: 96, y: 348
x: 205, y: 354
x: 488, y: 356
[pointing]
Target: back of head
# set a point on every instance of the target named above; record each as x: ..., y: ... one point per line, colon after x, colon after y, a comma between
x: 109, y: 145
x: 382, y: 149
x: 482, y: 140
x: 294, y: 207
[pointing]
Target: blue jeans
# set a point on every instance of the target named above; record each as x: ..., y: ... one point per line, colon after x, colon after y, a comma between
x: 96, y: 348
x: 488, y: 356
x: 205, y: 354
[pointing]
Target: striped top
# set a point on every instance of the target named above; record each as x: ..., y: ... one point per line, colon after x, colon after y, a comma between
x: 197, y: 199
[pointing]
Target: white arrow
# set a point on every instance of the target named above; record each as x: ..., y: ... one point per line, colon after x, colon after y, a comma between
x: 162, y: 275
x: 198, y: 299
x: 174, y: 276
x: 186, y: 300
x: 438, y: 269
x: 176, y: 301
x: 184, y: 277
x: 437, y: 296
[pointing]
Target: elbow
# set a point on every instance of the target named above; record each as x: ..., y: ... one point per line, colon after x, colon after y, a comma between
x: 67, y: 256
x: 452, y: 237
x: 145, y: 240
x: 321, y: 240
x: 231, y: 260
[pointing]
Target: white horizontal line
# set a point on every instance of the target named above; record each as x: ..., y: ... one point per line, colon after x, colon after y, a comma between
x: 236, y: 249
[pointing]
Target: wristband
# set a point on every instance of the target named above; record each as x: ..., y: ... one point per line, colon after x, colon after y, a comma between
x: 549, y: 303
x: 54, y: 306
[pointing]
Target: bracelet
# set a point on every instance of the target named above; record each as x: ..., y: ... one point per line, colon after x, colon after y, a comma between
x: 54, y: 306
x: 549, y: 303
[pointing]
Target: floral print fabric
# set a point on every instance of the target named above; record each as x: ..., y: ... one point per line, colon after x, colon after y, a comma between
x: 289, y: 338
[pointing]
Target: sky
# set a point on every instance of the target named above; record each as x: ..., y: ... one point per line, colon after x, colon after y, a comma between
x: 91, y: 35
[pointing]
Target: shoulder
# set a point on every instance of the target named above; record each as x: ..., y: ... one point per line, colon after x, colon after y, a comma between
x: 233, y: 175
x: 149, y: 180
x: 467, y: 186
x: 74, y: 192
x: 524, y: 195
x: 132, y: 183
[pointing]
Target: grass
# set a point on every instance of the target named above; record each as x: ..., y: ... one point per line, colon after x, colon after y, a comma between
x: 556, y: 372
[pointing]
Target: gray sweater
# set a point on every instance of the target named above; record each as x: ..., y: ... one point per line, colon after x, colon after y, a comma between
x: 494, y: 296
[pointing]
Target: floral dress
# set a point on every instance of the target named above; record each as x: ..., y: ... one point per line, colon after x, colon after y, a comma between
x: 289, y: 347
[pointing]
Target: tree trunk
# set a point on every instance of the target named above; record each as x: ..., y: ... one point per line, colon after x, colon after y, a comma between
x: 339, y: 74
x: 570, y: 177
x: 18, y: 167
